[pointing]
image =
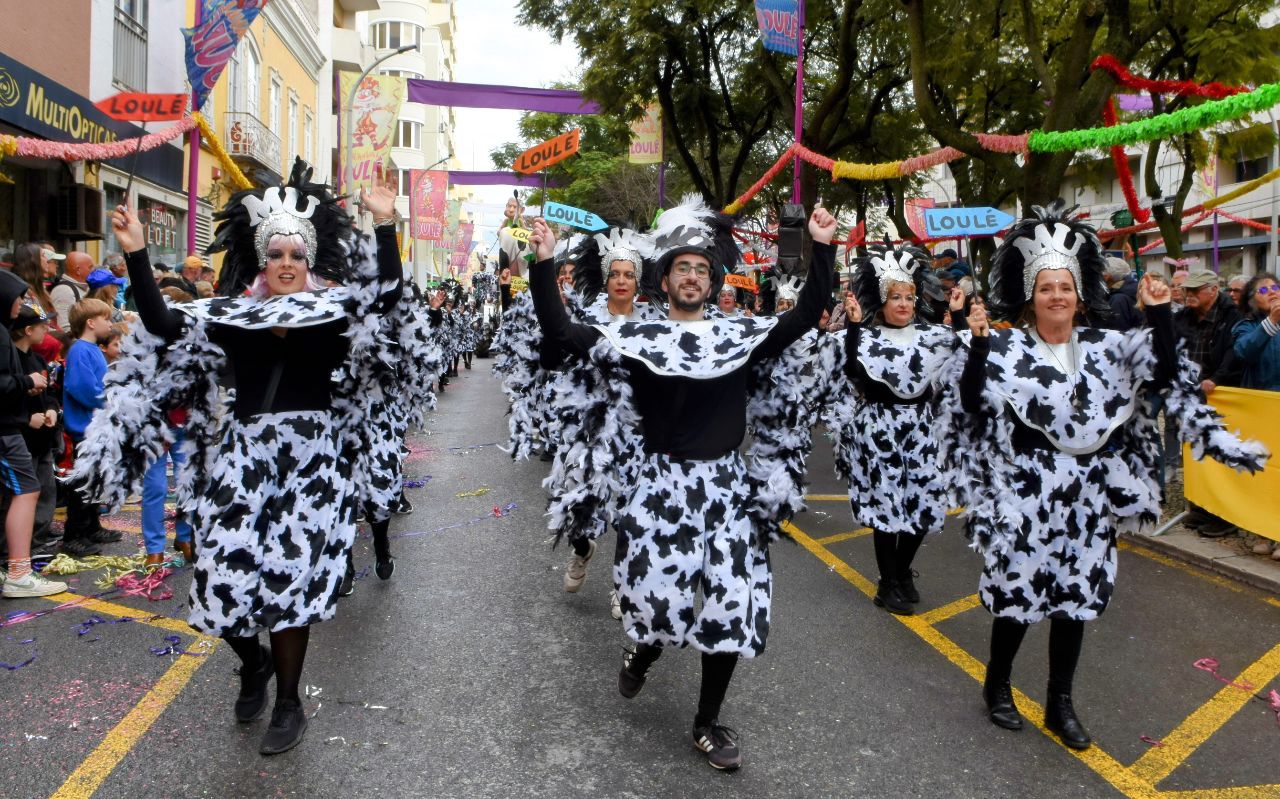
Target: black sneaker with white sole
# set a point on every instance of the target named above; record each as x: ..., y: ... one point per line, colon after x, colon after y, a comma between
x: 403, y: 507
x: 630, y: 681
x: 720, y: 744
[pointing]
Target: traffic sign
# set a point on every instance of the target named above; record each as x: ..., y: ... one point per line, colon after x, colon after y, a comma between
x: 947, y: 222
x: 563, y: 214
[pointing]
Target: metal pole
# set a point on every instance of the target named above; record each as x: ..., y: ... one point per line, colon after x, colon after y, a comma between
x: 193, y: 162
x: 1274, y: 250
x: 799, y: 120
x: 348, y: 169
x: 662, y: 183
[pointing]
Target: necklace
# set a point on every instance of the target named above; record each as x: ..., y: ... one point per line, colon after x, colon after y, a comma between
x: 1073, y: 374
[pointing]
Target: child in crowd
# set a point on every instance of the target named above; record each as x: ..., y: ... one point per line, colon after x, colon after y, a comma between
x: 82, y: 395
x: 17, y: 472
x: 42, y: 430
x: 111, y: 341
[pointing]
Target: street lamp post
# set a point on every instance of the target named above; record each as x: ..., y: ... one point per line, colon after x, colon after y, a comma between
x: 348, y: 169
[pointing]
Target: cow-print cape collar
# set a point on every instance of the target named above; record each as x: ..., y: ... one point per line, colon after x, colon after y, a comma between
x: 1077, y: 413
x: 905, y: 369
x: 702, y: 349
x: 303, y: 309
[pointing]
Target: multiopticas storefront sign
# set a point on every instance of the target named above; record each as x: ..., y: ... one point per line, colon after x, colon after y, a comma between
x: 34, y: 103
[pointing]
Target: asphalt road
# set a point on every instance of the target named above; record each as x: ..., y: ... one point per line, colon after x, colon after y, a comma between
x: 472, y: 674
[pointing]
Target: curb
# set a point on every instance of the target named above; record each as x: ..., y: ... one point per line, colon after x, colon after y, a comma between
x: 1264, y: 576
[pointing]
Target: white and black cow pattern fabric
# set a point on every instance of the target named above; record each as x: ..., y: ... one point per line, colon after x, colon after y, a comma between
x: 688, y: 568
x: 887, y: 454
x: 699, y: 349
x: 516, y: 364
x: 467, y: 331
x: 303, y: 309
x: 1046, y: 521
x: 272, y: 541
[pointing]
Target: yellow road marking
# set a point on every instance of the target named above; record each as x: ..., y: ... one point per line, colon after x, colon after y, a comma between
x: 1238, y: 792
x: 95, y: 769
x: 1159, y: 762
x: 939, y: 615
x: 826, y: 498
x: 124, y: 611
x: 838, y: 537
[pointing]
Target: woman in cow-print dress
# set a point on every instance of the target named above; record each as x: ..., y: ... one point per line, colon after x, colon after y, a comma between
x: 1053, y: 444
x: 883, y: 424
x: 276, y: 505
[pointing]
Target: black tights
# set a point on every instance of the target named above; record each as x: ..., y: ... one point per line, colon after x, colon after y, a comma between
x: 894, y: 553
x: 1065, y: 640
x: 581, y: 546
x: 381, y: 541
x: 288, y: 651
x: 717, y: 671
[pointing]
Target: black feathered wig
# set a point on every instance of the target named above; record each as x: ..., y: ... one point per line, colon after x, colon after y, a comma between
x: 904, y: 264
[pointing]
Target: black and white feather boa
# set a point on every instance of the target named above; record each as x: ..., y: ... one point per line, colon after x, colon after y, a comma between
x: 150, y: 379
x: 515, y: 362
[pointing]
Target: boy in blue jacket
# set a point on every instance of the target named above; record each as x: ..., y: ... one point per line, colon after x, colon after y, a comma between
x: 81, y: 396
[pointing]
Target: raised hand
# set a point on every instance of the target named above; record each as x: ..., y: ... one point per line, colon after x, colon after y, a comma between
x: 978, y: 323
x: 822, y: 226
x: 379, y: 201
x: 543, y: 240
x: 955, y: 298
x: 1153, y: 292
x: 851, y: 307
x: 435, y: 299
x: 128, y: 230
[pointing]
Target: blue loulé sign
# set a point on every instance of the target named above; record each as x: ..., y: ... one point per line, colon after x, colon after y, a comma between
x: 944, y: 222
x: 576, y: 217
x: 779, y: 25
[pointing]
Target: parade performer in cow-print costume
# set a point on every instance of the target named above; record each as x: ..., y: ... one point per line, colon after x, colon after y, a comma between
x: 692, y: 561
x: 882, y: 421
x: 276, y: 478
x: 1050, y: 435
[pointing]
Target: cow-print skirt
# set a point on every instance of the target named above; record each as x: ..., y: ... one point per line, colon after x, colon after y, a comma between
x: 1060, y: 561
x: 897, y: 484
x: 276, y: 522
x: 687, y: 567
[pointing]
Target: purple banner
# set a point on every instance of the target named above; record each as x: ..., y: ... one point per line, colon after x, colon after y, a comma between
x: 779, y: 25
x: 516, y: 98
x: 210, y: 45
x: 1135, y: 102
x: 498, y: 179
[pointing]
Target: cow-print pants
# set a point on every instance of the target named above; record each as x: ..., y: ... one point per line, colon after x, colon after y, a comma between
x: 684, y: 536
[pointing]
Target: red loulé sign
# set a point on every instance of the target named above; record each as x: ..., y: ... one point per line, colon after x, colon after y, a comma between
x: 551, y: 151
x: 141, y: 107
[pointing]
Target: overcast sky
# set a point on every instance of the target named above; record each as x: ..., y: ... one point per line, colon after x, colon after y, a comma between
x: 492, y: 48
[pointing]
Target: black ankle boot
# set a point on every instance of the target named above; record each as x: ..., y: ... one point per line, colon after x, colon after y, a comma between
x: 1060, y: 718
x: 1000, y: 707
x: 889, y: 596
x: 288, y: 725
x: 253, y: 688
x: 907, y: 585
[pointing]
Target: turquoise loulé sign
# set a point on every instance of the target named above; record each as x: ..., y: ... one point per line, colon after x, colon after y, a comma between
x: 941, y: 223
x: 575, y: 217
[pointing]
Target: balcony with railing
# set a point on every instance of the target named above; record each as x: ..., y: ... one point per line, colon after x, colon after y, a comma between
x: 129, y: 56
x: 253, y: 145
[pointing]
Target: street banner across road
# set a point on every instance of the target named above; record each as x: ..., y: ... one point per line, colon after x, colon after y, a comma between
x: 575, y: 217
x: 946, y: 222
x: 1245, y: 500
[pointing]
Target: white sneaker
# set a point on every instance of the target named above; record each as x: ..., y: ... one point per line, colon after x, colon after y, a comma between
x: 615, y: 605
x: 576, y: 574
x: 31, y: 585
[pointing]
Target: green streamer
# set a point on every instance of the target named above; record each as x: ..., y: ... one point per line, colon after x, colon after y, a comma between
x: 1164, y: 126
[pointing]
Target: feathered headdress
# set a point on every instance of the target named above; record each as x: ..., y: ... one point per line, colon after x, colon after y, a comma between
x: 888, y: 264
x: 298, y: 208
x: 693, y: 227
x: 1048, y: 239
x: 789, y: 289
x: 596, y: 256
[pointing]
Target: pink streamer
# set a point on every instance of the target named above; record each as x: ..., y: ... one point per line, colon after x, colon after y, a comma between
x: 71, y: 151
x: 151, y: 585
x: 1004, y: 142
x: 1211, y: 665
x: 929, y: 160
x: 1273, y: 700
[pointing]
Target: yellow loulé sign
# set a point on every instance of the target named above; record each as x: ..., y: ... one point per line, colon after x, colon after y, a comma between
x: 646, y: 138
x: 1247, y: 501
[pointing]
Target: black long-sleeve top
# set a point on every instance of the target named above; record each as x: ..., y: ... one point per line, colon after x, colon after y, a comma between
x: 303, y: 357
x: 683, y: 417
x: 974, y: 377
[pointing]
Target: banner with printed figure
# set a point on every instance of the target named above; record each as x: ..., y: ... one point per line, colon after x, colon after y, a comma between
x: 373, y: 119
x: 462, y: 246
x: 1245, y: 500
x: 646, y: 138
x: 430, y: 203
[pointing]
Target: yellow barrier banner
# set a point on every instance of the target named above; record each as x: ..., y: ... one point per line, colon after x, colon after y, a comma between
x: 1247, y: 501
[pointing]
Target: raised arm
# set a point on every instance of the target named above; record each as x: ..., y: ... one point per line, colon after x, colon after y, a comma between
x: 555, y: 323
x: 158, y: 318
x: 381, y: 202
x: 1155, y: 297
x: 974, y: 377
x: 813, y: 297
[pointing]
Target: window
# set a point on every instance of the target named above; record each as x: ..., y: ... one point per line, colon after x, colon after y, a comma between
x: 402, y: 73
x: 1252, y: 169
x: 273, y: 100
x: 309, y: 136
x: 252, y: 77
x: 129, y: 53
x: 394, y: 35
x: 235, y: 82
x: 405, y: 183
x: 291, y: 144
x: 408, y: 134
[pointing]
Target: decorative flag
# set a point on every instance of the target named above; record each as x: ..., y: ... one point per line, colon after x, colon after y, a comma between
x: 211, y: 43
x: 915, y: 208
x: 430, y: 204
x: 373, y: 117
x: 779, y: 25
x: 646, y: 137
x: 462, y: 246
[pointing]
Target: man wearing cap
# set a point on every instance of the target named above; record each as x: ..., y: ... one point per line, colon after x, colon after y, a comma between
x: 1122, y: 294
x: 72, y: 287
x: 1204, y: 325
x: 49, y: 261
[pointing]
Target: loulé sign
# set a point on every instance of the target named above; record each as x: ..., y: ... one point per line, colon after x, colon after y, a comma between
x: 779, y: 25
x: 945, y: 222
x: 551, y: 151
x: 139, y: 107
x: 575, y: 217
